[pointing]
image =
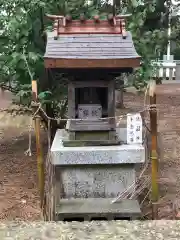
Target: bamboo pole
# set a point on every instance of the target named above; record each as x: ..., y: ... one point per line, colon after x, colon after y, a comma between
x: 154, y: 156
x: 40, y: 163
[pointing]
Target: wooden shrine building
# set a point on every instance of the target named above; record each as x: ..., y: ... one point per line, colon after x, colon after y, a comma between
x: 93, y: 53
x: 93, y: 162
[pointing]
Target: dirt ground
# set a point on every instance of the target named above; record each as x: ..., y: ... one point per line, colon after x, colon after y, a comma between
x: 19, y: 198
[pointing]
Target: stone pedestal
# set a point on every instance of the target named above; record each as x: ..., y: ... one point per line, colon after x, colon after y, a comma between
x: 95, y: 172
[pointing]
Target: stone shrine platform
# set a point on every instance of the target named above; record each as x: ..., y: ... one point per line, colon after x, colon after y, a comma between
x: 121, y: 154
x: 98, y: 171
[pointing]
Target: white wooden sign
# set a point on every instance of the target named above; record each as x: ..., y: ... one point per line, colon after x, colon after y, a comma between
x: 134, y: 128
x: 92, y: 111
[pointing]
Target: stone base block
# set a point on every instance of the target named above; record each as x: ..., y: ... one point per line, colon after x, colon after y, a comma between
x: 95, y: 171
x: 97, y: 209
x: 121, y: 154
x: 96, y: 181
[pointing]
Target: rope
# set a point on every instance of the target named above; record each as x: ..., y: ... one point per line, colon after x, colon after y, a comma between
x: 37, y: 111
x: 150, y: 88
x: 141, y: 188
x: 148, y: 107
x: 121, y: 195
x: 39, y: 108
x: 145, y: 197
x: 28, y: 152
x: 119, y: 121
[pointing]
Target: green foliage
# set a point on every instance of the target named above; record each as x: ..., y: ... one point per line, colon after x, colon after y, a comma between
x: 149, y: 41
x: 23, y: 39
x: 44, y: 95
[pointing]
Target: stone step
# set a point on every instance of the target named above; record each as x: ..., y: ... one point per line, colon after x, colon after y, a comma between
x: 121, y: 133
x: 93, y: 209
x: 86, y: 143
x: 95, y: 155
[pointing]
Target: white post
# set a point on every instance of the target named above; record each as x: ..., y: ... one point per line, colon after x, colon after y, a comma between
x: 169, y: 35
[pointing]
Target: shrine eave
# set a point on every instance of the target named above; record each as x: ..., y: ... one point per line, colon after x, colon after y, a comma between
x: 90, y: 51
x: 92, y: 63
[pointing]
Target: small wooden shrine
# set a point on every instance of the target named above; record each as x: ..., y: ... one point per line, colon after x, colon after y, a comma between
x: 93, y: 162
x: 93, y: 53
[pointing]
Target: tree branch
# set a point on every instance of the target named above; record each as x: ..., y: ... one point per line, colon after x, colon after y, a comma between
x: 27, y: 65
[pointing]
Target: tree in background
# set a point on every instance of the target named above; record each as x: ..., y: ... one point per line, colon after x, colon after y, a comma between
x: 23, y: 41
x: 148, y: 25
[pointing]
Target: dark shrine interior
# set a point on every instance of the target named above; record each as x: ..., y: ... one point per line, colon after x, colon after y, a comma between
x: 94, y: 95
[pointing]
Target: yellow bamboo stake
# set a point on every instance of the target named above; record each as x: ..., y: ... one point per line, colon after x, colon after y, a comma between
x: 40, y: 163
x: 154, y: 156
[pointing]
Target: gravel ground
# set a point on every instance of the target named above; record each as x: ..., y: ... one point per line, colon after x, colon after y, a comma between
x: 149, y: 230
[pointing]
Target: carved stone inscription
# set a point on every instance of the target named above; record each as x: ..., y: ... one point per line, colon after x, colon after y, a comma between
x: 92, y: 111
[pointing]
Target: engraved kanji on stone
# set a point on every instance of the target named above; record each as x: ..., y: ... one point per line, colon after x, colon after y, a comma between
x: 138, y: 128
x: 94, y: 113
x: 86, y: 113
x: 132, y: 126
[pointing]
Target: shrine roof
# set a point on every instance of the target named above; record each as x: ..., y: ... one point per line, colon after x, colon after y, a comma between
x: 81, y: 45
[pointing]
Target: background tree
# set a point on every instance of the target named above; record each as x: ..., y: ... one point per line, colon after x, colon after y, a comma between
x: 23, y: 40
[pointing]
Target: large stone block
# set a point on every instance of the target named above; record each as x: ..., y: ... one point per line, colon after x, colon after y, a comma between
x: 92, y: 172
x: 96, y: 181
x: 122, y: 154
